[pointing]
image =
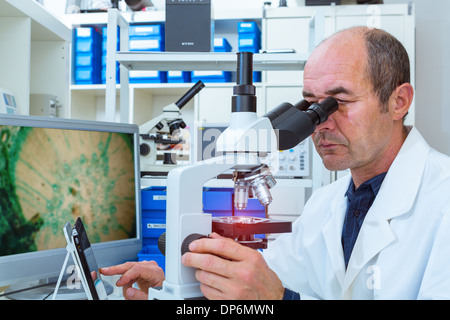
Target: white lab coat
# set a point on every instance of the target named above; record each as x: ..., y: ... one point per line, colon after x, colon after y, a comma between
x: 402, y: 250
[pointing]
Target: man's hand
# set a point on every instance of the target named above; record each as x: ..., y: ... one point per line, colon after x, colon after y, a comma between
x: 228, y: 270
x: 146, y: 274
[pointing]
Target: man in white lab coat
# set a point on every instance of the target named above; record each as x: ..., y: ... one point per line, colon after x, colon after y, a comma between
x: 401, y: 250
x: 382, y: 232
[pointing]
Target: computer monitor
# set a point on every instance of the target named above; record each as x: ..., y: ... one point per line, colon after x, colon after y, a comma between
x: 55, y: 170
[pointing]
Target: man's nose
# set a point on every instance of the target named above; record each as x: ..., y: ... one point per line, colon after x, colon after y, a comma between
x: 328, y: 125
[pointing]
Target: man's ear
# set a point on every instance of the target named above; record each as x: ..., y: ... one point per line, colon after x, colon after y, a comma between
x: 401, y: 100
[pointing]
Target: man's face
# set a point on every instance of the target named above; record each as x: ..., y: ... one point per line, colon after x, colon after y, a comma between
x: 358, y: 134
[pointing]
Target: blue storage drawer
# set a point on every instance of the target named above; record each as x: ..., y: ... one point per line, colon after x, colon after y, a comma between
x: 88, y: 59
x: 218, y: 199
x: 87, y: 75
x: 178, y: 76
x: 153, y: 204
x: 86, y: 45
x: 146, y: 30
x: 154, y: 198
x: 218, y: 202
x: 87, y: 39
x: 249, y: 44
x: 152, y: 253
x: 211, y: 76
x: 86, y: 33
x: 148, y: 76
x: 153, y: 227
x: 87, y: 56
x: 256, y: 76
x: 249, y: 27
x: 145, y: 44
x: 221, y: 45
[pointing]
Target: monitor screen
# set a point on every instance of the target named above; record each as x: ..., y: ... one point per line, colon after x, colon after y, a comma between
x: 53, y: 171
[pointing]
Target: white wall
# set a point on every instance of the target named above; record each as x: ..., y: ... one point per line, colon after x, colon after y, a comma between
x: 432, y: 71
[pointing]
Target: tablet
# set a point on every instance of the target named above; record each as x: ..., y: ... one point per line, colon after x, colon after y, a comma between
x: 90, y: 274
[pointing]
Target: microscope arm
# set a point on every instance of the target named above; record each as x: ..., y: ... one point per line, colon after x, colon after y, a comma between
x: 170, y: 112
x: 185, y: 216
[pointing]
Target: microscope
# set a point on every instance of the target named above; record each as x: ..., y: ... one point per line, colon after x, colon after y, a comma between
x: 164, y: 129
x: 250, y: 147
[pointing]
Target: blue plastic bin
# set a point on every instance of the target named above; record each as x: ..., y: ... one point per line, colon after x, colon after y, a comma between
x: 87, y: 75
x: 221, y: 45
x: 218, y: 201
x: 148, y: 76
x: 87, y: 56
x: 145, y: 30
x: 178, y: 76
x: 248, y: 27
x: 151, y: 253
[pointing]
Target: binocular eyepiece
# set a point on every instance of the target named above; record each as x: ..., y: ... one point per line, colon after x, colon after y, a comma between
x: 294, y: 123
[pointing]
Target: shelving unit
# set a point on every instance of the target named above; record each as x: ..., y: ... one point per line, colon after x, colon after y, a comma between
x: 281, y: 28
x: 35, y: 55
x: 207, y: 61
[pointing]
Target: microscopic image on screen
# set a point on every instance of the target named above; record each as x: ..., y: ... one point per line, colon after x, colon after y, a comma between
x: 51, y: 176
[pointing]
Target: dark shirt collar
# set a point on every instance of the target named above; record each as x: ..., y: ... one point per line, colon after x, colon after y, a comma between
x: 373, y: 185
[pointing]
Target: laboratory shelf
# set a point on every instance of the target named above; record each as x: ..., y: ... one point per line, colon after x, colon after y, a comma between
x: 221, y: 61
x: 44, y: 26
x: 35, y: 55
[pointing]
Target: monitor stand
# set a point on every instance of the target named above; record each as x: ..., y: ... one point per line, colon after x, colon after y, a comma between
x: 43, y: 290
x: 65, y: 287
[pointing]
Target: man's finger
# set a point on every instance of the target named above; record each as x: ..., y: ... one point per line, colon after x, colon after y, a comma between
x: 134, y: 294
x: 118, y: 269
x: 207, y: 262
x: 220, y: 246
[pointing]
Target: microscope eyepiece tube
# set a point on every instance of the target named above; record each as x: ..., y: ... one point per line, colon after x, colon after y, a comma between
x: 322, y: 110
x: 245, y: 68
x: 293, y: 124
x: 244, y: 98
x: 302, y: 105
x: 190, y: 94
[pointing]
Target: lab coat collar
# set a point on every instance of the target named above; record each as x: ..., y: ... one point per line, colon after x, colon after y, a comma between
x: 332, y: 231
x: 394, y: 199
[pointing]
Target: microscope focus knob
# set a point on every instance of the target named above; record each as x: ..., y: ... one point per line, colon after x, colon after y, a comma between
x: 162, y: 244
x: 159, y: 126
x: 187, y: 241
x: 144, y: 149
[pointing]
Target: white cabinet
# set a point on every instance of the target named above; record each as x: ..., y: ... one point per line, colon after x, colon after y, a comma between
x: 35, y: 54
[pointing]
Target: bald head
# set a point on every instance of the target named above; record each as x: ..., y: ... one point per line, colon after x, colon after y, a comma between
x: 348, y: 40
x: 379, y: 56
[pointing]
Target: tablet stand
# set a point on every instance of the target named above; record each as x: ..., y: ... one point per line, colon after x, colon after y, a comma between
x: 70, y: 248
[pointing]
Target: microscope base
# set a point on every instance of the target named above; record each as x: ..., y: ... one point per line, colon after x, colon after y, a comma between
x: 176, y: 292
